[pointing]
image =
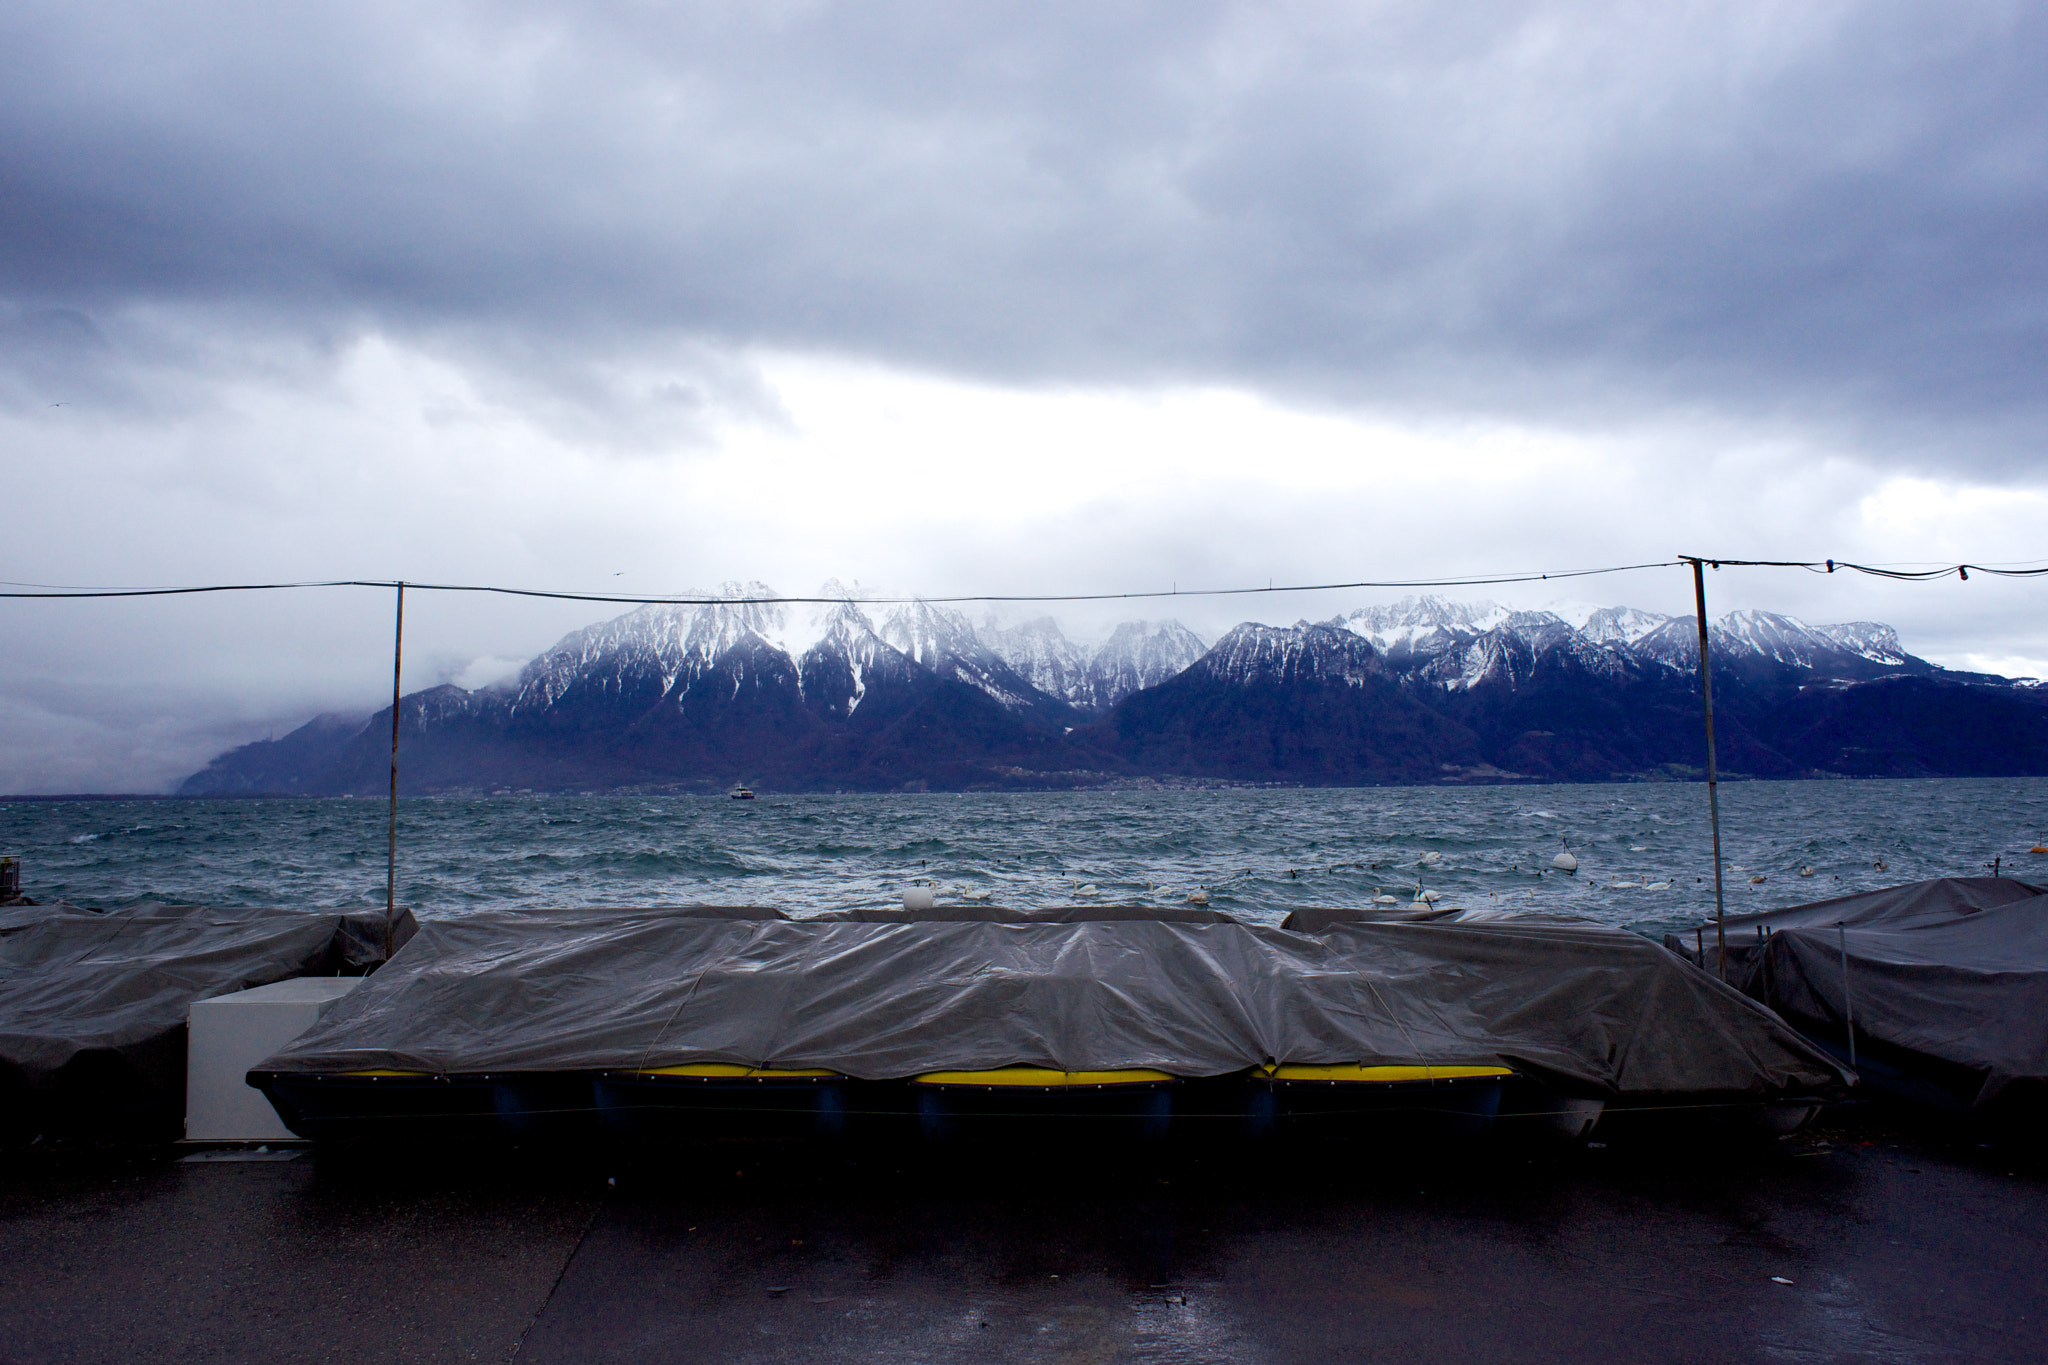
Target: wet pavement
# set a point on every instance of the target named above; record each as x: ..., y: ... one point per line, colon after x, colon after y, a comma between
x: 1857, y: 1241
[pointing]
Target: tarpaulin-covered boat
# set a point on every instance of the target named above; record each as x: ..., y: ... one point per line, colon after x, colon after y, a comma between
x: 1940, y: 987
x: 93, y: 1004
x: 685, y: 1019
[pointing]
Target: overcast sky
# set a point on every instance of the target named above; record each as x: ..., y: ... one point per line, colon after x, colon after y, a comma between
x: 982, y: 298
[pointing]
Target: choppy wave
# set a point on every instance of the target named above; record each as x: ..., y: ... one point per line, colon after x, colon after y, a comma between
x: 1643, y: 850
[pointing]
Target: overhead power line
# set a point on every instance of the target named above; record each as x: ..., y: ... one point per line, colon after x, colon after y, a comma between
x: 31, y: 591
x: 1911, y: 575
x: 41, y: 590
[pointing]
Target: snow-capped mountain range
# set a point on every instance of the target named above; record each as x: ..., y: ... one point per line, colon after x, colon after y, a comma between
x: 845, y: 693
x: 1019, y: 668
x: 1137, y: 655
x: 1457, y: 645
x: 1462, y: 644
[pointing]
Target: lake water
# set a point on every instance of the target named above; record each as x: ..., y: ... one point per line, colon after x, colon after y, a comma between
x: 1258, y: 854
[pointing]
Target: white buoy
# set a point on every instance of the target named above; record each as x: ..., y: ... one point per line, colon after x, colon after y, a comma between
x: 1565, y: 862
x: 917, y: 898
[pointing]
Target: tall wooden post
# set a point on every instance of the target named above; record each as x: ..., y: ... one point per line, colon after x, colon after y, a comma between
x: 1699, y: 593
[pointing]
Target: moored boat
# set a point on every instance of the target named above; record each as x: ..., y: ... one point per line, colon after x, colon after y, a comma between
x: 976, y: 1023
x: 1935, y: 992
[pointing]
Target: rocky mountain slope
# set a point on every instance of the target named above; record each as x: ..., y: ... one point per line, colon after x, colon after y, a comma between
x: 1536, y: 698
x: 1137, y: 655
x: 841, y: 696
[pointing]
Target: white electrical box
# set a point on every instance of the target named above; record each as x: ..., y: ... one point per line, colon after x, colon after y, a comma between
x: 231, y: 1033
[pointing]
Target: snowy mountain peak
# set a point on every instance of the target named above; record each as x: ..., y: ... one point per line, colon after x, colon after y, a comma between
x: 648, y: 640
x: 1421, y: 625
x: 1138, y: 655
x: 1034, y: 667
x: 1042, y: 655
x: 931, y: 635
x: 1254, y: 654
x: 1870, y: 639
x: 1538, y: 628
x: 1781, y: 639
x: 717, y: 627
x: 1620, y: 625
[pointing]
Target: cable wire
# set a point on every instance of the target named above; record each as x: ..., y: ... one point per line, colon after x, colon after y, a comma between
x: 34, y: 591
x: 1961, y: 570
x: 37, y: 590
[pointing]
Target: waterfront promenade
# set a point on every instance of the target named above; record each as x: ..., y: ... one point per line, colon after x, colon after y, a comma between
x: 1899, y: 1243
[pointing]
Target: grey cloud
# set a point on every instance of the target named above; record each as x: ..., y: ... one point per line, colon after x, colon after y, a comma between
x: 1753, y: 250
x: 1829, y: 216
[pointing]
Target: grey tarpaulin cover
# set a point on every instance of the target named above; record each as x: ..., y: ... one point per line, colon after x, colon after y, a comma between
x: 576, y: 990
x: 1953, y: 970
x: 107, y: 993
x: 1937, y: 901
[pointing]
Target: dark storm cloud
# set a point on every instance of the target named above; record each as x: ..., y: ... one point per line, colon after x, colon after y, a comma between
x: 1832, y: 216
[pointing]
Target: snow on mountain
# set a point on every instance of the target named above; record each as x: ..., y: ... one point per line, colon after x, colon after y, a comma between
x: 1770, y: 635
x: 1042, y: 655
x: 648, y: 641
x: 1508, y: 653
x: 663, y: 648
x: 944, y: 641
x: 839, y: 664
x: 1755, y: 635
x: 1781, y: 639
x: 1421, y: 625
x: 1253, y: 654
x: 834, y: 648
x: 667, y: 645
x: 1461, y: 645
x: 1868, y: 639
x: 716, y: 628
x: 931, y: 635
x: 703, y: 692
x: 1674, y: 644
x: 1541, y: 630
x: 1620, y: 625
x: 1138, y: 655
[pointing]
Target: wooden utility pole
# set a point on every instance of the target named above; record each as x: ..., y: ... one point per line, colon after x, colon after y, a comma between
x: 1699, y: 594
x: 391, y: 855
